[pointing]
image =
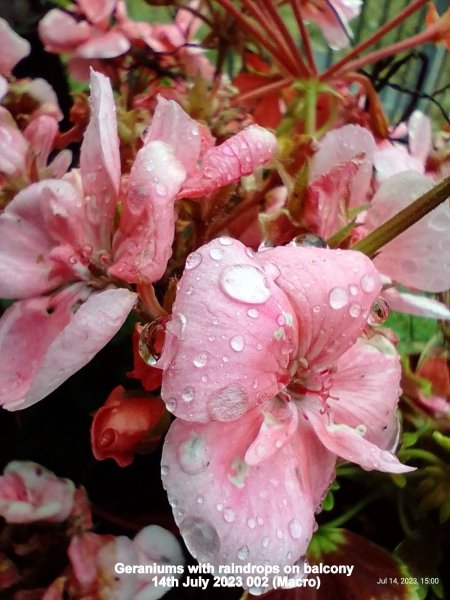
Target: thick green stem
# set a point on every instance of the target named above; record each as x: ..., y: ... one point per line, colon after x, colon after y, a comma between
x: 404, y: 219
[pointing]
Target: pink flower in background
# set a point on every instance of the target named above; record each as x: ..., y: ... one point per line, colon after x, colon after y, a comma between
x: 14, y: 48
x: 62, y: 258
x: 333, y: 18
x: 29, y: 493
x: 263, y: 365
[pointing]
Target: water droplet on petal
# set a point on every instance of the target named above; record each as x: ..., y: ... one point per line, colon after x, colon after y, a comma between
x: 171, y: 405
x: 225, y: 240
x: 354, y: 309
x: 265, y: 542
x: 295, y: 529
x: 200, y: 499
x: 353, y: 289
x: 228, y: 515
x: 281, y: 320
x: 237, y: 343
x: 228, y: 404
x: 250, y: 252
x: 272, y: 270
x: 316, y: 308
x: 245, y: 283
x: 161, y: 189
x: 194, y: 455
x: 201, y: 359
x: 193, y: 260
x: 164, y: 470
x: 368, y: 283
x: 338, y: 298
x: 260, y: 521
x: 379, y: 312
x: 242, y: 553
x: 279, y: 534
x: 308, y: 240
x: 216, y: 253
x: 201, y: 538
x: 151, y: 341
x: 253, y: 313
x: 251, y: 523
x: 188, y: 394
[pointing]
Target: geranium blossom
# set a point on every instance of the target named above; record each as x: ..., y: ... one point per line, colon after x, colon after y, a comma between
x: 14, y: 48
x: 333, y: 18
x: 263, y: 365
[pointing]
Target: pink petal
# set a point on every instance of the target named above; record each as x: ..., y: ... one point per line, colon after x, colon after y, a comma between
x: 93, y: 325
x: 14, y: 48
x: 41, y: 133
x: 26, y: 241
x: 365, y: 391
x: 13, y: 146
x: 3, y: 87
x: 348, y: 443
x: 107, y: 45
x: 225, y: 164
x: 60, y: 32
x: 100, y: 160
x: 332, y: 16
x: 415, y: 304
x: 228, y: 343
x: 419, y: 257
x: 394, y: 158
x: 143, y: 244
x: 44, y: 95
x: 97, y: 11
x: 60, y: 164
x: 420, y: 136
x: 27, y: 329
x: 343, y: 144
x: 172, y: 125
x: 231, y: 512
x: 331, y: 292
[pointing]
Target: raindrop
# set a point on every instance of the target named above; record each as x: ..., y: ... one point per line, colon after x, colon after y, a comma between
x: 295, y: 529
x: 216, y: 253
x: 193, y: 260
x: 194, y: 455
x: 225, y: 241
x: 308, y: 240
x: 338, y: 298
x: 228, y: 404
x: 279, y: 534
x: 201, y: 538
x: 228, y: 515
x: 171, y: 405
x: 368, y: 283
x: 244, y: 283
x: 353, y: 289
x: 265, y: 542
x: 188, y: 394
x: 316, y: 308
x: 379, y: 312
x: 161, y: 189
x: 281, y: 320
x: 164, y: 470
x: 242, y: 553
x: 201, y: 359
x: 251, y: 523
x: 272, y: 270
x: 200, y: 499
x: 265, y: 245
x: 253, y: 313
x: 260, y: 520
x: 151, y: 341
x: 354, y: 309
x: 237, y: 343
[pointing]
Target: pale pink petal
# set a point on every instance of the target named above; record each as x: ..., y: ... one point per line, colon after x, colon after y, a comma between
x: 30, y: 493
x: 43, y: 93
x: 143, y: 244
x: 108, y: 45
x: 156, y: 545
x: 341, y: 145
x: 333, y: 16
x: 394, y: 158
x: 172, y: 125
x: 328, y: 197
x: 60, y: 32
x: 420, y: 136
x: 100, y: 160
x: 14, y: 48
x: 13, y: 146
x: 225, y: 164
x: 60, y: 164
x: 415, y: 304
x: 27, y: 329
x: 40, y: 133
x: 331, y: 292
x: 26, y: 240
x: 365, y: 390
x: 97, y: 11
x: 91, y: 327
x: 230, y: 512
x: 419, y: 257
x: 3, y: 87
x: 229, y: 341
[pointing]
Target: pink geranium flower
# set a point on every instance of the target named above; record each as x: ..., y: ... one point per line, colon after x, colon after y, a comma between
x: 62, y: 257
x: 333, y: 18
x: 14, y: 48
x: 29, y: 493
x: 264, y: 364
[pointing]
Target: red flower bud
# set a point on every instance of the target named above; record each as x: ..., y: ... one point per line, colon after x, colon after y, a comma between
x: 126, y: 422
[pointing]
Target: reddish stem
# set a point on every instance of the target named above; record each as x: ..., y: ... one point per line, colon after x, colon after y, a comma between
x: 404, y: 14
x: 265, y: 89
x: 305, y: 35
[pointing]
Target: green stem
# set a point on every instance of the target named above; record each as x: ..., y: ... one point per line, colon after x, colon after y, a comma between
x: 310, y: 108
x: 421, y: 454
x: 404, y: 219
x: 351, y: 512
